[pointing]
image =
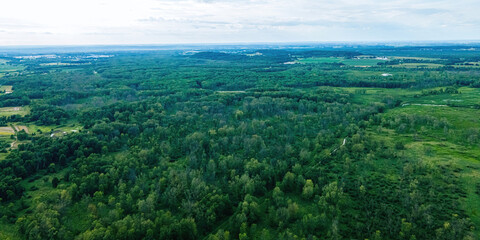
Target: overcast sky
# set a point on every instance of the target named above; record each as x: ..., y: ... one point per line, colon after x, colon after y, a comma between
x: 73, y: 22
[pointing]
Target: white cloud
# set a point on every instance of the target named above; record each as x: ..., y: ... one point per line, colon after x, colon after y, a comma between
x: 36, y: 22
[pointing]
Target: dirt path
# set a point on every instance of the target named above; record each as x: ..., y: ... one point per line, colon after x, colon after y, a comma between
x: 13, y: 144
x: 343, y: 144
x: 418, y: 104
x: 16, y: 129
x: 21, y: 127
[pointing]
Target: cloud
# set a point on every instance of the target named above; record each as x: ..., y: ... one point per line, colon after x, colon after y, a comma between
x: 205, y: 21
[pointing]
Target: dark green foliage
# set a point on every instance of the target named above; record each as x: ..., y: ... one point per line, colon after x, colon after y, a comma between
x: 22, y: 135
x: 47, y: 115
x: 225, y: 146
x: 55, y: 182
x: 13, y: 99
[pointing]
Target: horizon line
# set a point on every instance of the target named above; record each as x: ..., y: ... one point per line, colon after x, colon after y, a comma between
x: 244, y: 43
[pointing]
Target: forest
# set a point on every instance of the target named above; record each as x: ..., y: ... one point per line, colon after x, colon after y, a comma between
x: 244, y: 143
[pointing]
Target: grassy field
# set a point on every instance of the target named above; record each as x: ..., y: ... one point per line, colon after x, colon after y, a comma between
x: 6, y: 88
x: 441, y: 150
x: 362, y: 95
x: 448, y: 152
x: 416, y: 58
x: 432, y: 146
x: 320, y: 60
x: 5, y: 67
x: 9, y: 111
x: 6, y: 131
x: 53, y: 131
x: 467, y: 97
x: 56, y: 130
x: 362, y: 62
x: 418, y: 65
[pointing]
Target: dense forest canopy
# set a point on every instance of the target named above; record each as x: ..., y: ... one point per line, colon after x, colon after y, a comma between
x: 293, y: 143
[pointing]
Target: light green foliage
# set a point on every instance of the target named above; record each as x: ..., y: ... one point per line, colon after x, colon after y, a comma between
x: 361, y: 62
x: 308, y: 189
x: 239, y: 145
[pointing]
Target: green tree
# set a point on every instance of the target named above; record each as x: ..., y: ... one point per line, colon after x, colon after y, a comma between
x: 308, y: 189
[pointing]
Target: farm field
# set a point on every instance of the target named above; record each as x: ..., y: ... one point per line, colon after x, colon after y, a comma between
x: 7, y: 131
x: 418, y: 65
x: 57, y: 130
x: 9, y: 111
x: 416, y: 58
x: 5, y: 67
x: 366, y: 62
x: 5, y: 89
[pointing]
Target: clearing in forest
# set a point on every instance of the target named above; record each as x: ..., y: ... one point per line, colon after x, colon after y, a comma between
x: 419, y: 65
x: 6, y: 89
x: 9, y: 111
x: 6, y: 131
x: 356, y: 62
x: 19, y: 128
x: 7, y: 68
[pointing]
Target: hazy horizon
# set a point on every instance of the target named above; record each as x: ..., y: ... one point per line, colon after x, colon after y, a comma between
x: 273, y: 43
x: 152, y: 22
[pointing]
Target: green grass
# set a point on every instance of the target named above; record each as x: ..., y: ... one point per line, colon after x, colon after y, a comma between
x: 350, y: 62
x: 43, y: 187
x: 460, y: 118
x: 6, y: 131
x: 467, y: 98
x: 69, y: 127
x: 448, y: 152
x: 418, y: 65
x: 417, y: 58
x: 5, y: 67
x: 3, y: 156
x: 445, y: 150
x: 320, y: 60
x: 9, y: 111
x: 465, y: 159
x: 368, y: 95
x: 6, y: 88
x: 362, y: 62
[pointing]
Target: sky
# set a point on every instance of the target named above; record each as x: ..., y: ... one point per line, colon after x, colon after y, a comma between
x: 99, y: 22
